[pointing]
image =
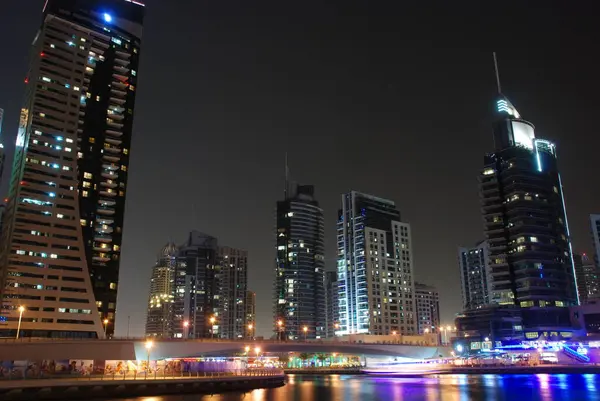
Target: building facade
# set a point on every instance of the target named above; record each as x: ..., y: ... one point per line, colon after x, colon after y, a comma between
x: 526, y: 226
x: 428, y: 308
x: 209, y: 289
x: 588, y: 278
x: 299, y: 293
x: 159, y: 318
x: 232, y: 282
x: 251, y: 313
x: 63, y: 224
x: 595, y: 226
x: 333, y: 316
x: 375, y: 268
x: 475, y: 276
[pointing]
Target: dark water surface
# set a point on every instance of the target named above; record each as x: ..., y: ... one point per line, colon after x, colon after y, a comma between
x: 446, y: 388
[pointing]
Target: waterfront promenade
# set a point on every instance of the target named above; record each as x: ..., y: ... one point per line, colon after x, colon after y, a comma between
x: 136, y: 384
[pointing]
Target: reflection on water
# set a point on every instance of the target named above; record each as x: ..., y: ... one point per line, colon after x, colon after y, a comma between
x: 540, y: 387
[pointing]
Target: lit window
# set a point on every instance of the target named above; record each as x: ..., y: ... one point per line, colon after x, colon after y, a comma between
x: 560, y: 303
x: 113, y: 286
x: 60, y: 216
x: 97, y: 98
x: 124, y: 168
x: 534, y: 239
x: 42, y: 115
x: 125, y: 151
x: 86, y: 184
x: 69, y: 140
x: 83, y: 222
x: 99, y: 304
x: 46, y: 79
x: 85, y: 194
x: 67, y: 149
x: 76, y: 88
x: 488, y: 171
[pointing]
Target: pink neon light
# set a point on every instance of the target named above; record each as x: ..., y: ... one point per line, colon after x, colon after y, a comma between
x: 136, y: 2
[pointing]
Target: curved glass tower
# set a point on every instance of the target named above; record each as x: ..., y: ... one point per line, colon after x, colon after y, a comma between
x: 526, y: 226
x: 300, y: 299
x: 63, y: 228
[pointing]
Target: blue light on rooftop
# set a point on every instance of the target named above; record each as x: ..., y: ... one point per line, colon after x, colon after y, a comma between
x: 107, y: 17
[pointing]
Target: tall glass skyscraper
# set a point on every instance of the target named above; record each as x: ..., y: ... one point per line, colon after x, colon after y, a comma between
x: 375, y: 268
x: 299, y: 299
x: 526, y: 225
x: 64, y: 219
x: 159, y: 318
x: 475, y: 276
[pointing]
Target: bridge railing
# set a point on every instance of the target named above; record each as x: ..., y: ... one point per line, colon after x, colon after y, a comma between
x: 214, y: 340
x: 153, y: 374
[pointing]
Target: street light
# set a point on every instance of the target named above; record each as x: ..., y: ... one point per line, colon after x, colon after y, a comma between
x: 426, y: 331
x: 247, y: 349
x: 186, y: 324
x: 305, y: 330
x: 105, y: 326
x: 212, y: 329
x: 280, y: 329
x: 21, y: 310
x: 394, y: 333
x: 149, y: 345
x: 257, y: 350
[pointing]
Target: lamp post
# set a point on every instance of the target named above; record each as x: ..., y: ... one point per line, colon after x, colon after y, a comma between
x: 257, y: 350
x: 186, y: 325
x: 149, y: 345
x: 212, y: 328
x: 21, y: 310
x: 105, y: 327
x: 250, y: 327
x: 305, y: 330
x: 280, y: 329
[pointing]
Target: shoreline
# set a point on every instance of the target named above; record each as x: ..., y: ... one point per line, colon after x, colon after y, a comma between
x: 84, y: 389
x: 484, y: 370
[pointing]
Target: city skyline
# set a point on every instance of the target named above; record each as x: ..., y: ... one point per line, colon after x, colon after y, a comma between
x: 391, y: 94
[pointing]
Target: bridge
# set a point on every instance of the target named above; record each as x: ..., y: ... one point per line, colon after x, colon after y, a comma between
x: 136, y: 349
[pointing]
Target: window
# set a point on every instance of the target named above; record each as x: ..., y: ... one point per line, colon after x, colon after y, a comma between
x: 113, y: 286
x: 534, y: 239
x: 92, y: 139
x: 85, y: 194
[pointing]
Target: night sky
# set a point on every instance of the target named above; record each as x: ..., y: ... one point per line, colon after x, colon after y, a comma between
x: 390, y: 99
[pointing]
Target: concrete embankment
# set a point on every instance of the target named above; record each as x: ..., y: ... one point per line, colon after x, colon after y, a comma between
x: 84, y: 388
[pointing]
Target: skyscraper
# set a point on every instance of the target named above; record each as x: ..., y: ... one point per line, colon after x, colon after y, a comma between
x: 526, y: 225
x: 595, y: 226
x: 375, y: 267
x: 475, y: 276
x: 588, y: 278
x: 333, y: 305
x: 299, y: 298
x: 209, y: 289
x: 428, y: 308
x: 159, y: 318
x: 232, y: 282
x: 251, y: 312
x: 64, y: 219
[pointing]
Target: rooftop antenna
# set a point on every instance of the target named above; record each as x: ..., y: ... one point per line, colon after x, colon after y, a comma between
x: 497, y: 73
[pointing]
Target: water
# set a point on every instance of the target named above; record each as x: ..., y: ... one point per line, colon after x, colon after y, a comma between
x: 541, y: 387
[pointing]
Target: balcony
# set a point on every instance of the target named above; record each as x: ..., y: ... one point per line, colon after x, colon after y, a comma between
x: 110, y: 167
x: 110, y: 157
x: 101, y: 258
x: 102, y: 238
x: 108, y: 184
x: 104, y: 220
x: 113, y: 133
x: 112, y: 149
x: 121, y: 70
x: 109, y: 175
x: 105, y: 211
x: 109, y: 194
x: 113, y: 141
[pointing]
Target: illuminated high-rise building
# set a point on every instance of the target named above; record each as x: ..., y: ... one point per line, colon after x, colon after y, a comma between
x: 526, y: 226
x: 299, y: 299
x: 475, y: 276
x: 159, y: 318
x: 63, y: 224
x: 428, y: 308
x: 375, y: 268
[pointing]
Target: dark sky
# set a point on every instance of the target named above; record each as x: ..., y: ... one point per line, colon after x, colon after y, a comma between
x: 380, y: 96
